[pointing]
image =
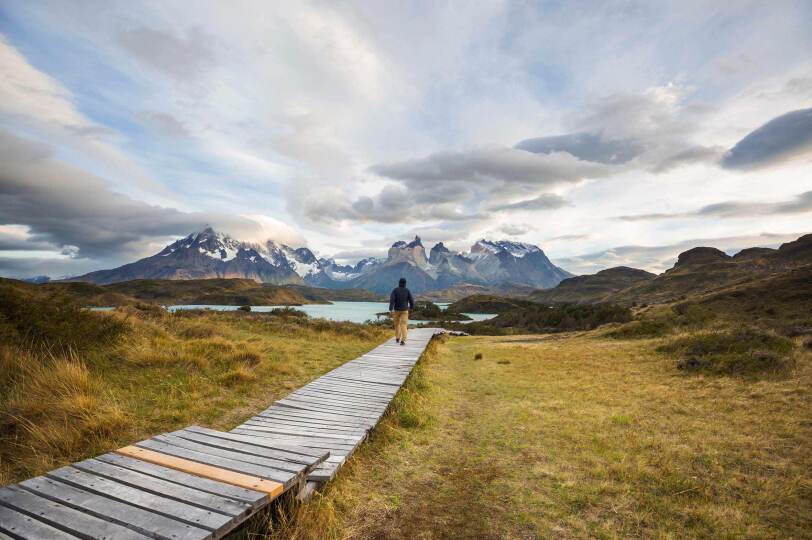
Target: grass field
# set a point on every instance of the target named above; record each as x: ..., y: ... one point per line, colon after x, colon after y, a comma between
x: 147, y: 373
x: 576, y: 436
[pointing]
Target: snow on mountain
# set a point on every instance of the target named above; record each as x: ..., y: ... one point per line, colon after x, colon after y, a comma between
x: 209, y: 253
x: 517, y: 249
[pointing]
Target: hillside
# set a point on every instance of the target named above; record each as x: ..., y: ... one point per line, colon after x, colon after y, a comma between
x: 698, y: 271
x: 464, y: 290
x: 593, y: 288
x: 231, y: 292
x: 704, y: 270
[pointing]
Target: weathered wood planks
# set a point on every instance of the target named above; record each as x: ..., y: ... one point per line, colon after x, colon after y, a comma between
x: 199, y: 483
x: 338, y: 410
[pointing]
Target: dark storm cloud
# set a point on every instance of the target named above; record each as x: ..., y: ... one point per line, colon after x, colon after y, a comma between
x: 585, y: 146
x: 10, y: 242
x: 488, y: 165
x: 456, y: 185
x: 780, y: 139
x: 735, y: 209
x: 65, y: 206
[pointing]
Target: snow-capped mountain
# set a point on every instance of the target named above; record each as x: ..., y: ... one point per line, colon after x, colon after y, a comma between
x: 210, y: 254
x: 487, y: 263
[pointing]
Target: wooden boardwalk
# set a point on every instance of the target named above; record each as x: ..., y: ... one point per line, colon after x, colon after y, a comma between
x: 198, y: 483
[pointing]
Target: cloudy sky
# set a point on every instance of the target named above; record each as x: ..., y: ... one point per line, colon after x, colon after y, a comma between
x: 607, y: 132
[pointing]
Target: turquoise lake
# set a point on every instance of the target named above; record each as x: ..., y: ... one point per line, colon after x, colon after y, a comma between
x: 357, y: 312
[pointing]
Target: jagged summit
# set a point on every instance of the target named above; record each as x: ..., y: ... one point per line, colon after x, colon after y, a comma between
x: 517, y: 249
x: 210, y: 253
x: 414, y: 243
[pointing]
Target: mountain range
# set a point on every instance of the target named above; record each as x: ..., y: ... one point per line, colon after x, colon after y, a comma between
x: 211, y: 254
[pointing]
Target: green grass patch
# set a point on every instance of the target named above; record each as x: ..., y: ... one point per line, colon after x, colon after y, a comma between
x: 743, y: 351
x: 641, y: 329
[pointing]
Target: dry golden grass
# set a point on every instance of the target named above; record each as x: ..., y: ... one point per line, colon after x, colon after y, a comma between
x: 576, y: 436
x: 165, y: 372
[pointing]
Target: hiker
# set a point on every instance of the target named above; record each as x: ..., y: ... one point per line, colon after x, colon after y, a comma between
x: 400, y: 304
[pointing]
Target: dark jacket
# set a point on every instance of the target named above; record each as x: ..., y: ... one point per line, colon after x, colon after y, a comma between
x: 401, y: 299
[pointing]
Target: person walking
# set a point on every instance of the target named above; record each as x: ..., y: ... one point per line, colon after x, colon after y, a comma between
x: 400, y: 304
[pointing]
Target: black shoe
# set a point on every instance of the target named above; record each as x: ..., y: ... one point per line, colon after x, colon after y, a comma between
x: 403, y: 342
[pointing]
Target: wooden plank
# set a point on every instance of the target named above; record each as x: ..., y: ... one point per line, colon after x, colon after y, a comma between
x: 163, y: 488
x: 150, y: 501
x: 364, y: 409
x: 315, y: 415
x: 260, y: 471
x: 273, y: 489
x: 286, y: 439
x: 252, y: 498
x: 293, y: 404
x: 349, y: 390
x: 304, y: 432
x: 257, y: 441
x: 343, y: 401
x: 21, y: 525
x: 306, y: 424
x: 296, y: 439
x: 295, y: 416
x: 302, y: 461
x: 64, y: 517
x: 136, y: 518
x: 288, y: 467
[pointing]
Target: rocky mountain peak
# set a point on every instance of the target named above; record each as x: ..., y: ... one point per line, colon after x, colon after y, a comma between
x: 438, y: 253
x: 516, y: 249
x: 412, y: 253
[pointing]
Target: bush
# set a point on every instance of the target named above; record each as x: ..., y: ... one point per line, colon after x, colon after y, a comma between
x: 689, y: 314
x: 244, y: 308
x: 740, y: 352
x: 537, y: 318
x: 288, y: 312
x: 54, y: 322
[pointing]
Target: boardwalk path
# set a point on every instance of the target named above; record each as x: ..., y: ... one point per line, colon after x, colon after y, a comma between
x: 200, y: 483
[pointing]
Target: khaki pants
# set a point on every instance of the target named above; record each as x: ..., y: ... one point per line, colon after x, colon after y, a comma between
x: 401, y: 320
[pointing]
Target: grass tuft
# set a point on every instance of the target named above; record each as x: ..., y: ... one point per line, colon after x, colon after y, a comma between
x: 744, y: 351
x: 137, y: 372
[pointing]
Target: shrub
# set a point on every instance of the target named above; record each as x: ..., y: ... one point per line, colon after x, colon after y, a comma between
x: 244, y: 308
x: 287, y: 312
x: 537, y: 318
x: 642, y: 329
x: 690, y: 314
x: 739, y: 352
x: 53, y: 322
